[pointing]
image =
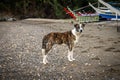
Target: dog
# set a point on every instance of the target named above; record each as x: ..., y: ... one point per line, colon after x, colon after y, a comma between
x: 70, y: 38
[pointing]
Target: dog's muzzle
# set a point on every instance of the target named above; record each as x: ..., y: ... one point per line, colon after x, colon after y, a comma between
x: 81, y: 30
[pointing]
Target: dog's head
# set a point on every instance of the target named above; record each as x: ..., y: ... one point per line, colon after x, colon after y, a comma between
x: 79, y: 27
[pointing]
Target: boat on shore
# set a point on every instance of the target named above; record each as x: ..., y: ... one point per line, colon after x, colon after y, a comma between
x: 109, y: 12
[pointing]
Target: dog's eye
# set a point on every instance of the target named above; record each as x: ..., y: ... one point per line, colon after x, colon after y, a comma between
x: 77, y: 26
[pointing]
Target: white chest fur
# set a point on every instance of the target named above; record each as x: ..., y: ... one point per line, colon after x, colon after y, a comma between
x: 76, y: 34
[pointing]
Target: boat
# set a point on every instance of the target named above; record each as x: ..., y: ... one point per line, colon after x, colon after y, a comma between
x: 82, y: 17
x: 109, y: 12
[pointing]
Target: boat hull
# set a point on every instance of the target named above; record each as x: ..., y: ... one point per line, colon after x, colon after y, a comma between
x: 109, y: 16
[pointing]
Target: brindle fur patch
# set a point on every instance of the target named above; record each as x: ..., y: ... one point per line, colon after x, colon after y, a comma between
x: 58, y: 38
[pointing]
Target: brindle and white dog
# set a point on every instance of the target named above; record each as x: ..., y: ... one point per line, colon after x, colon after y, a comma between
x: 70, y: 38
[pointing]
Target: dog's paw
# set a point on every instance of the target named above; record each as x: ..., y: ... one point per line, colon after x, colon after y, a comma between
x: 73, y: 59
x: 70, y: 59
x: 45, y: 62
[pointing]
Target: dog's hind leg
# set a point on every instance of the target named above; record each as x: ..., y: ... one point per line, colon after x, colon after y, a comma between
x: 44, y: 56
x: 46, y: 46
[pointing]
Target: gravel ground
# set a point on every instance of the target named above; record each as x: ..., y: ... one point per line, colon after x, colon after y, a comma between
x: 97, y: 54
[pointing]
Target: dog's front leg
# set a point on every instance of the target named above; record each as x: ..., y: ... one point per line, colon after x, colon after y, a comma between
x: 70, y: 55
x: 70, y: 51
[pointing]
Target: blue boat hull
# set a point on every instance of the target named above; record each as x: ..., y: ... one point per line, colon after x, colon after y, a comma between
x: 108, y: 16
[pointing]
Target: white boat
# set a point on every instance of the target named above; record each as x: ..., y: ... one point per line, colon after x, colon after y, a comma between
x: 108, y: 12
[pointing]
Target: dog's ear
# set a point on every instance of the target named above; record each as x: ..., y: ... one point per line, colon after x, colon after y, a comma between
x: 75, y: 25
x: 83, y: 24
